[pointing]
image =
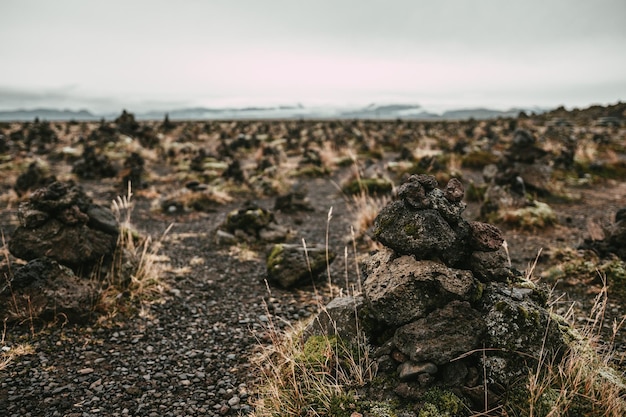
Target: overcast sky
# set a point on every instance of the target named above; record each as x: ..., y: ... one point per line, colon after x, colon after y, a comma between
x: 154, y: 54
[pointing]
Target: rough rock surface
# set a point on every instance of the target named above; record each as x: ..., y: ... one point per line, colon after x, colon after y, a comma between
x: 62, y: 223
x: 339, y: 317
x: 426, y: 222
x: 430, y: 339
x: 253, y: 223
x: 44, y: 289
x: 403, y: 289
x: 289, y: 264
x: 442, y: 291
x: 614, y: 241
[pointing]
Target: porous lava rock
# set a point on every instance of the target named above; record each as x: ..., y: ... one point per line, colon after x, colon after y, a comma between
x: 62, y: 223
x: 441, y: 303
x: 34, y: 177
x: 44, y: 289
x: 426, y: 223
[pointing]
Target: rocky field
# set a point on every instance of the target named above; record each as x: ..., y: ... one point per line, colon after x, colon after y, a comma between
x: 162, y: 298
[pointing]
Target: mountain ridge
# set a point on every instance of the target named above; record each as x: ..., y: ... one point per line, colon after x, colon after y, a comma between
x: 372, y: 111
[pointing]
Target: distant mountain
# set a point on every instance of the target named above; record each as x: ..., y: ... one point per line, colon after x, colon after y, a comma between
x: 390, y: 111
x: 373, y: 111
x: 482, y: 113
x: 46, y: 114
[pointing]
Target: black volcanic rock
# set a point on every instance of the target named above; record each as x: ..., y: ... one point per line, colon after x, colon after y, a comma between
x: 61, y: 222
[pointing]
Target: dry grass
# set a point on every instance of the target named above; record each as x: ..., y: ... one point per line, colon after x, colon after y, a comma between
x: 365, y: 208
x: 584, y: 382
x: 309, y: 377
x: 8, y: 353
x: 137, y: 267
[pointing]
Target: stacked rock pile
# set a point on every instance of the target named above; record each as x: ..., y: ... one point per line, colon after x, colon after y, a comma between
x: 65, y: 237
x: 440, y: 302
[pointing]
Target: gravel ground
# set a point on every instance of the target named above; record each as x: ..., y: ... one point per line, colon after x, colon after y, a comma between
x: 188, y: 354
x: 191, y: 352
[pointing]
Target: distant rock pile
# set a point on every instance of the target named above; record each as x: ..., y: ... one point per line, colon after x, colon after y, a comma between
x: 252, y: 223
x: 614, y: 241
x: 63, y: 235
x: 441, y: 302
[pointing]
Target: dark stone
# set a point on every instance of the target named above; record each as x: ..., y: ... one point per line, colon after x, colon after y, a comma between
x: 454, y: 190
x: 485, y: 237
x: 61, y: 222
x: 294, y: 201
x: 401, y: 290
x: 34, y: 177
x: 492, y: 266
x: 44, y: 289
x: 443, y: 335
x: 339, y: 317
x: 93, y: 166
x: 288, y: 265
x: 234, y: 172
x: 133, y: 171
x: 424, y: 234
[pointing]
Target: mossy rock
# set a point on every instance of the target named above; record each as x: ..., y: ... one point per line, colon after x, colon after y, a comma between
x: 536, y: 215
x: 478, y: 160
x: 312, y: 171
x: 251, y: 220
x: 443, y: 403
x: 289, y: 264
x: 371, y: 186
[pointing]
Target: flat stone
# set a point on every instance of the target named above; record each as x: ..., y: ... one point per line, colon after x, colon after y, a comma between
x: 410, y: 370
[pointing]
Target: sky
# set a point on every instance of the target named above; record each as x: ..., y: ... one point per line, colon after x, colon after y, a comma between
x: 440, y: 54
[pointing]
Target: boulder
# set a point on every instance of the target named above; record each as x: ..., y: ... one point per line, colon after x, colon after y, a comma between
x: 426, y: 222
x: 402, y: 289
x: 442, y: 305
x: 340, y: 317
x: 252, y: 223
x: 443, y: 335
x: 289, y: 264
x: 44, y: 289
x: 520, y: 330
x: 34, y: 177
x: 62, y: 223
x: 93, y: 165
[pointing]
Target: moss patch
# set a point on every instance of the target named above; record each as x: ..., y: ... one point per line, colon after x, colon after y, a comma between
x: 537, y: 215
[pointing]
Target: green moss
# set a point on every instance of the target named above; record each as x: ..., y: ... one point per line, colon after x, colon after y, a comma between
x: 410, y: 229
x: 478, y: 159
x: 537, y: 215
x: 442, y: 403
x: 342, y: 405
x: 480, y: 289
x: 607, y: 170
x: 382, y: 410
x: 275, y: 257
x: 312, y: 171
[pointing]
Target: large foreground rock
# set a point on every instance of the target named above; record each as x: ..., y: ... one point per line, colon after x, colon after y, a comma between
x: 402, y: 289
x: 442, y: 305
x: 44, y: 289
x: 62, y: 223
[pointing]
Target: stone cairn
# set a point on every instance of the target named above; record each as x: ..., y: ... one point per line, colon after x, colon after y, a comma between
x: 440, y: 303
x: 64, y: 237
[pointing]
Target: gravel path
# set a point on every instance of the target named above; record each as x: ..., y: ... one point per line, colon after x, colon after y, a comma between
x: 190, y: 354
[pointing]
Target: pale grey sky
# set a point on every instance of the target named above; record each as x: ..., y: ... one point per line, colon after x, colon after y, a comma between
x: 155, y: 54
